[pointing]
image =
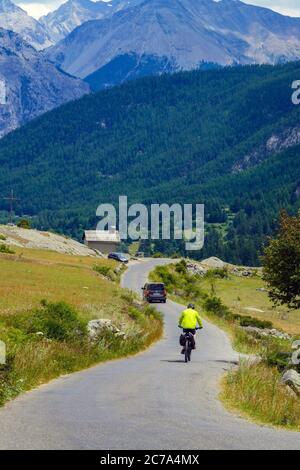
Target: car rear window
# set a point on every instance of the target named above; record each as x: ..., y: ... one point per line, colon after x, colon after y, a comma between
x: 156, y: 287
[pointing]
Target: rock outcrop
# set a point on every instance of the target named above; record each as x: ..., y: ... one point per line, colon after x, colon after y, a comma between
x: 292, y: 379
x: 15, y: 236
x: 29, y: 84
x: 97, y: 327
x: 266, y: 332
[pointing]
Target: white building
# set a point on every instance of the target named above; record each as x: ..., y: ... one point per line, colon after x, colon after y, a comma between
x: 105, y: 241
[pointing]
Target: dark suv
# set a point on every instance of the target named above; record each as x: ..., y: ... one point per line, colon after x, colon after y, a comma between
x: 155, y: 293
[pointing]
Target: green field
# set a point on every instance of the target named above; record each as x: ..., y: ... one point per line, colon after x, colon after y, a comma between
x: 240, y: 294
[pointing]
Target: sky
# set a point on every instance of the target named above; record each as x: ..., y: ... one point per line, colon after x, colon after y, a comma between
x: 38, y: 8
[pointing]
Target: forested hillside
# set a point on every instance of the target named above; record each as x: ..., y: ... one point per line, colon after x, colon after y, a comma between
x: 228, y: 138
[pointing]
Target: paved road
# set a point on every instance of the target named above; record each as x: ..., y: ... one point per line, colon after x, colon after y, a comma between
x: 152, y: 401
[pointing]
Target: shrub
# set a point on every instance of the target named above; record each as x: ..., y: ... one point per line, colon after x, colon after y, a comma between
x: 214, y: 305
x: 281, y: 360
x: 158, y: 255
x: 56, y: 320
x: 134, y: 313
x: 104, y: 270
x: 152, y: 313
x: 276, y: 352
x: 6, y: 249
x: 181, y: 267
x: 2, y: 237
x: 218, y: 273
x: 166, y: 277
x: 255, y: 322
x: 24, y: 223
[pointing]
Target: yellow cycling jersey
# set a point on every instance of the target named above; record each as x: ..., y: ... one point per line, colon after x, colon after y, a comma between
x: 189, y: 319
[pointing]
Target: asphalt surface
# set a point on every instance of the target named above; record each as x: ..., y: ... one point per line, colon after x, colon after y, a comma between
x: 152, y: 401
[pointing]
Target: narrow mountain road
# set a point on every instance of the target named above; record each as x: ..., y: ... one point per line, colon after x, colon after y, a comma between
x: 151, y: 401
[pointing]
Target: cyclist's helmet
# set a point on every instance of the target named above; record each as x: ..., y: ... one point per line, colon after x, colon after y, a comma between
x: 191, y: 306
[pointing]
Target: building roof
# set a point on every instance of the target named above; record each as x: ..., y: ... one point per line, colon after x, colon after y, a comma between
x: 109, y: 236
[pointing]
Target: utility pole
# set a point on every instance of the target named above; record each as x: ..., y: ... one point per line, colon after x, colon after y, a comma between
x: 11, y: 200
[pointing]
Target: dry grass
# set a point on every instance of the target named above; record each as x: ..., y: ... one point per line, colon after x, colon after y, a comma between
x: 256, y: 391
x: 32, y: 275
x: 240, y: 293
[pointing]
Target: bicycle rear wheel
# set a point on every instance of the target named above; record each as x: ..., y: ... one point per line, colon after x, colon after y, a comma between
x: 186, y: 351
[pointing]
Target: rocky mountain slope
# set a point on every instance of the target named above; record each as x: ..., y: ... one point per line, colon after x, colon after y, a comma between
x: 71, y: 14
x: 183, y: 33
x: 29, y: 84
x: 24, y: 238
x: 15, y: 19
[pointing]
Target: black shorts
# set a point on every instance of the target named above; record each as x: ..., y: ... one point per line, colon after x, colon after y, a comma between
x: 188, y: 330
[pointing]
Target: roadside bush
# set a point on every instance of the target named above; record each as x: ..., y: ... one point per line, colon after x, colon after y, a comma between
x: 214, y: 305
x: 255, y: 322
x: 281, y: 360
x: 276, y: 352
x: 2, y: 237
x: 181, y: 267
x: 166, y: 277
x: 55, y: 320
x: 134, y: 313
x: 152, y: 313
x: 104, y: 270
x: 218, y: 273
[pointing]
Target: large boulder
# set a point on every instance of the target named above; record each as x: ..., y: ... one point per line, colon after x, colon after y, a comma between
x: 139, y: 304
x: 97, y: 327
x: 291, y: 378
x: 214, y: 263
x: 196, y: 269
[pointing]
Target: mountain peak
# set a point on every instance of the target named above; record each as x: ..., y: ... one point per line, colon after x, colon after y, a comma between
x: 6, y: 6
x: 72, y: 14
x: 15, y: 19
x: 186, y: 33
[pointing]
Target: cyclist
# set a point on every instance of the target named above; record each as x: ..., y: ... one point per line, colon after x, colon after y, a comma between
x: 188, y: 322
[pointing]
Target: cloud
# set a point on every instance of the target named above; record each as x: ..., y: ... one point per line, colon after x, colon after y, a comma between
x: 285, y: 7
x: 38, y: 9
